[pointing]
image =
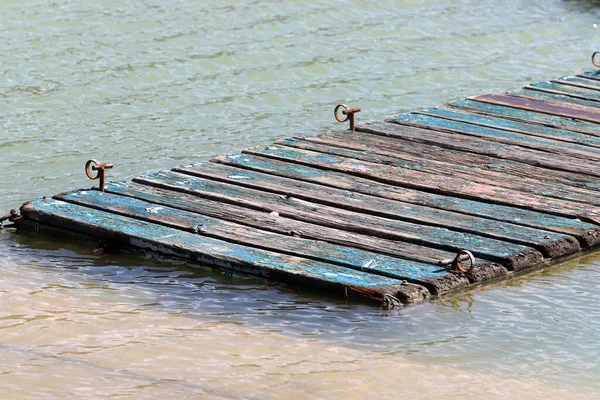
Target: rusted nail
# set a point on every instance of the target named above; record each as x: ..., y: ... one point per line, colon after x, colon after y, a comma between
x: 456, y: 264
x: 93, y: 165
x: 596, y: 63
x: 348, y: 112
x: 12, y: 216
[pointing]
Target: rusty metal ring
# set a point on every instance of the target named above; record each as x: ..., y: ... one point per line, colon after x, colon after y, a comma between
x: 337, y: 116
x: 88, y: 170
x: 457, y: 264
x: 596, y: 63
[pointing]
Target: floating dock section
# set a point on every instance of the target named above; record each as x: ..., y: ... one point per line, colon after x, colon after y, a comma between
x: 512, y: 178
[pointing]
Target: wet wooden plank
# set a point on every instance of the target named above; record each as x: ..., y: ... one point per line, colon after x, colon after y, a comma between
x: 578, y: 82
x: 591, y: 75
x: 227, y: 256
x: 240, y: 234
x: 557, y: 147
x: 508, y: 254
x: 476, y: 145
x: 557, y: 87
x: 443, y: 169
x: 520, y: 115
x: 431, y: 183
x: 542, y: 240
x: 542, y: 105
x: 555, y: 134
x: 289, y: 227
x: 586, y: 232
x: 510, y: 170
x: 546, y: 95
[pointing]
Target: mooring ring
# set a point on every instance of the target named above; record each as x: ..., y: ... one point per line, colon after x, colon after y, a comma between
x: 88, y: 170
x: 337, y: 116
x: 457, y: 265
x: 596, y: 63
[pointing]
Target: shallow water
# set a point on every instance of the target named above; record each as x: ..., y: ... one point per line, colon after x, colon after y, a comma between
x: 150, y: 85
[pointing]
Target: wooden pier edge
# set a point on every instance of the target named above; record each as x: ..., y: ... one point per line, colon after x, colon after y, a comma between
x: 511, y: 177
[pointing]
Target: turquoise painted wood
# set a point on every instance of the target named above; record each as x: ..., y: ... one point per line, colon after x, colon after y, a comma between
x: 562, y: 135
x: 252, y: 237
x: 579, y: 82
x: 471, y: 173
x: 277, y: 223
x: 528, y: 116
x: 568, y: 90
x: 536, y: 238
x: 429, y: 182
x: 532, y: 100
x: 207, y: 251
x: 501, y: 135
x: 361, y: 185
x: 291, y: 207
x: 537, y: 93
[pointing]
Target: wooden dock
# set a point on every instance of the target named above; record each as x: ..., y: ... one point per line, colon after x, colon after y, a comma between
x: 513, y: 178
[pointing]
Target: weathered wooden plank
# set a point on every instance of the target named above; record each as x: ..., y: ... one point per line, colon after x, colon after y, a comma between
x: 578, y: 82
x: 275, y: 223
x: 591, y: 75
x: 546, y: 95
x: 511, y: 255
x: 587, y: 233
x: 240, y: 234
x: 476, y: 145
x: 552, y: 107
x: 520, y: 115
x: 208, y: 251
x: 556, y: 87
x: 472, y: 174
x: 431, y: 183
x: 557, y: 147
x: 542, y: 240
x: 510, y: 170
x: 559, y: 135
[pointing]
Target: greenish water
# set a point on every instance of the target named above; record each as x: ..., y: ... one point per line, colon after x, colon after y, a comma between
x: 150, y: 85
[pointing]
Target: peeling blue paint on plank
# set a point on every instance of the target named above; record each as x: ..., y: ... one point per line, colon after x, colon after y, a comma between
x: 564, y: 98
x: 568, y: 90
x: 460, y: 205
x: 189, y: 246
x: 432, y: 183
x: 382, y: 207
x: 528, y: 116
x: 232, y: 232
x: 442, y: 238
x: 503, y: 136
x: 525, y: 128
x: 478, y: 174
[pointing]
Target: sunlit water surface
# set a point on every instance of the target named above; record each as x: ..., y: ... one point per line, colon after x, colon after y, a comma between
x: 152, y: 84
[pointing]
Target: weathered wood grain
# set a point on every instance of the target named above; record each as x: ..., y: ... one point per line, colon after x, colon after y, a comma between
x: 532, y: 117
x: 275, y: 223
x: 545, y: 95
x: 555, y: 134
x: 442, y: 168
x: 241, y: 234
x: 557, y: 87
x: 511, y: 255
x: 431, y: 183
x: 511, y: 171
x: 208, y: 251
x: 476, y: 145
x: 586, y: 153
x: 578, y: 82
x: 542, y: 240
x: 586, y: 232
x: 542, y: 105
